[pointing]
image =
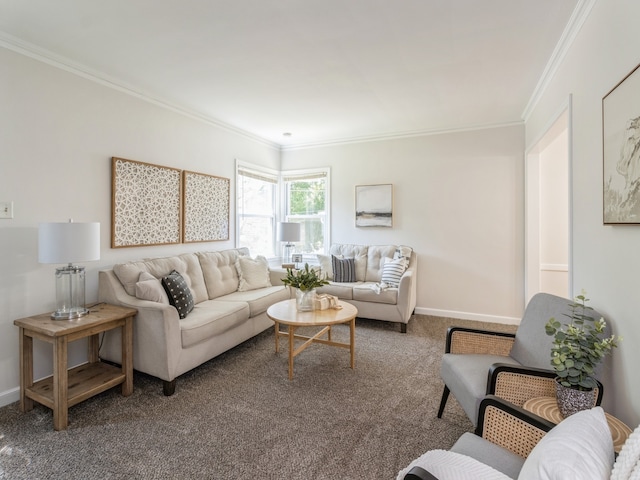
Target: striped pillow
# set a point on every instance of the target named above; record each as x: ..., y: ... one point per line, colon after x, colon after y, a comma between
x: 392, y: 270
x: 344, y: 269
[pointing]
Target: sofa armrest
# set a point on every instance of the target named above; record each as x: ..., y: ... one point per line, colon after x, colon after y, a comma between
x: 509, y: 426
x: 517, y: 384
x: 157, y: 337
x: 469, y: 340
x: 407, y: 290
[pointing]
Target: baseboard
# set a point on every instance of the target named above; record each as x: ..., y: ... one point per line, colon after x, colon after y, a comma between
x: 9, y: 396
x: 479, y: 317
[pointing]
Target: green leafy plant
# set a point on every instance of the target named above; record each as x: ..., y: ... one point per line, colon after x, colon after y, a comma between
x: 579, y: 345
x: 304, y: 279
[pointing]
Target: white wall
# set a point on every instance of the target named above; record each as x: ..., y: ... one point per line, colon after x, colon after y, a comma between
x: 58, y: 132
x: 606, y: 259
x: 458, y: 201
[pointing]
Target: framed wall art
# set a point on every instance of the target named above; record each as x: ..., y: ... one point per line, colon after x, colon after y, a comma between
x: 621, y: 151
x: 145, y: 204
x: 374, y: 205
x: 205, y: 207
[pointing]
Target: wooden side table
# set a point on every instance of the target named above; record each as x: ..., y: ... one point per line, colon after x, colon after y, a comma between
x: 547, y: 408
x: 67, y: 387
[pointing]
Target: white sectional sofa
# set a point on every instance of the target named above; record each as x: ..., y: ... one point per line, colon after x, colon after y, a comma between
x: 228, y: 309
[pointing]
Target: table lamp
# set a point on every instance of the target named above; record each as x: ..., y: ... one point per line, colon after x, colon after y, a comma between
x: 288, y: 232
x: 69, y: 243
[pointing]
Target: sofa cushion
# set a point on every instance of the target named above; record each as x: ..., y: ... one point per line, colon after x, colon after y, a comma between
x: 150, y: 288
x: 211, y: 318
x: 344, y: 291
x: 187, y: 264
x: 367, y: 292
x: 253, y: 273
x: 376, y: 255
x: 392, y: 271
x: 258, y: 300
x: 325, y: 265
x: 178, y: 292
x: 357, y: 252
x: 220, y: 272
x: 344, y: 269
x: 579, y: 447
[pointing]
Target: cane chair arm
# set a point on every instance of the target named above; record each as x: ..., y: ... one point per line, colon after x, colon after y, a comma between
x: 517, y: 384
x: 470, y: 340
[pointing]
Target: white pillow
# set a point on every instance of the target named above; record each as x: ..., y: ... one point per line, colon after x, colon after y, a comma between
x: 392, y: 271
x: 150, y: 288
x: 253, y: 273
x: 579, y: 447
x: 325, y: 265
x: 445, y: 465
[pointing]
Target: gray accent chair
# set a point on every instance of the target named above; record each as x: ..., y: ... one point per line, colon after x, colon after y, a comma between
x: 513, y: 367
x: 503, y: 439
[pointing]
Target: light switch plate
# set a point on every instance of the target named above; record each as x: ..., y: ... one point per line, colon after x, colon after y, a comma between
x: 6, y: 209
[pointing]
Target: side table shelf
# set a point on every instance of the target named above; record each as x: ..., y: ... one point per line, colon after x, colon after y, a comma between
x: 68, y: 387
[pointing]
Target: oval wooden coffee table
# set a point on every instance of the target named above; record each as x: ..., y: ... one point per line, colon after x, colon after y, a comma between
x: 285, y: 313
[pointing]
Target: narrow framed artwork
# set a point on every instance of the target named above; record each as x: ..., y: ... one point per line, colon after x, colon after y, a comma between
x: 621, y: 152
x: 145, y: 204
x: 205, y: 207
x: 374, y: 205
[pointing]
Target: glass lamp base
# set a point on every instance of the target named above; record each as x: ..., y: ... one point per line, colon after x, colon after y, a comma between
x: 69, y: 293
x: 69, y: 314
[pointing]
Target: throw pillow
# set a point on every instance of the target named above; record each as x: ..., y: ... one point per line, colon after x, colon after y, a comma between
x: 344, y: 269
x: 579, y: 447
x: 253, y: 273
x: 150, y: 288
x: 392, y: 271
x: 446, y: 465
x: 178, y: 292
x: 325, y: 265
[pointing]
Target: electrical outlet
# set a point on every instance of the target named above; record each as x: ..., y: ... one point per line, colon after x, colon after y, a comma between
x: 6, y: 209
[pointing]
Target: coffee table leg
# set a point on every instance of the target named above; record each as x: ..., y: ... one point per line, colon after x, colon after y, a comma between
x: 277, y: 331
x: 292, y: 331
x: 352, y: 328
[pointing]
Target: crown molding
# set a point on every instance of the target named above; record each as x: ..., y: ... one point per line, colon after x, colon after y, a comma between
x: 398, y: 135
x: 58, y: 61
x: 578, y: 18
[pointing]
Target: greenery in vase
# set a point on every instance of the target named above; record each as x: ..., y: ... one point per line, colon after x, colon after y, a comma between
x: 579, y: 345
x: 305, y: 279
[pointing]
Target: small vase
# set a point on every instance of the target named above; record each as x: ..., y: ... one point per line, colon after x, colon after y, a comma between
x: 305, y: 300
x: 571, y: 400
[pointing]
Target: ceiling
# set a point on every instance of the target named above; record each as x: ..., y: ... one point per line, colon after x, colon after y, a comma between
x: 324, y: 71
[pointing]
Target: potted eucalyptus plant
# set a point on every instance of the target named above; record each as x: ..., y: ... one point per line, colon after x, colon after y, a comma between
x: 305, y: 281
x: 579, y: 346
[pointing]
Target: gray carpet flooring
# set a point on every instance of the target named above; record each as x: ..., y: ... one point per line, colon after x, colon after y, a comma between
x: 238, y: 415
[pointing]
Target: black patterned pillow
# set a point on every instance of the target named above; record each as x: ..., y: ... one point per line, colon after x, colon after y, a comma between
x: 344, y: 269
x: 178, y: 292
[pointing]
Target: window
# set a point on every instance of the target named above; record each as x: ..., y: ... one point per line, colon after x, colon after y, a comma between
x: 256, y: 197
x: 304, y: 198
x: 306, y: 201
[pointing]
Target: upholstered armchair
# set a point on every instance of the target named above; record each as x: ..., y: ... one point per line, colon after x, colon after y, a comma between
x: 510, y: 443
x: 514, y: 367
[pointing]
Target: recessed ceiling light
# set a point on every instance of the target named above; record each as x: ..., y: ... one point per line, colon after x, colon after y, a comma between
x: 287, y: 134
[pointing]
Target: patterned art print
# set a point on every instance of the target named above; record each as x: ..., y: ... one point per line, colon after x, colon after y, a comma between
x: 145, y: 204
x: 206, y: 207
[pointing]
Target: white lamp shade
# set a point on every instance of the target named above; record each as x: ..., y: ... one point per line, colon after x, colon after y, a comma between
x: 68, y: 242
x: 289, y: 232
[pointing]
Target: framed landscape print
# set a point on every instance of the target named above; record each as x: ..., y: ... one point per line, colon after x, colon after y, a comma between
x: 206, y: 207
x: 374, y: 205
x: 145, y: 204
x: 621, y: 151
